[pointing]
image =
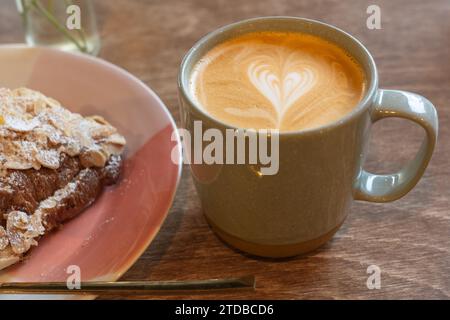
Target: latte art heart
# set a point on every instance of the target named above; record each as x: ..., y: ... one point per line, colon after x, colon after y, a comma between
x: 281, y: 90
x: 277, y: 80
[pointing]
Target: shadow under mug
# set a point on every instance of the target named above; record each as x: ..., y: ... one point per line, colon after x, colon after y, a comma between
x: 320, y: 170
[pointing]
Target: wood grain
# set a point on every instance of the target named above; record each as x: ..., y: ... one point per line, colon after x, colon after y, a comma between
x: 408, y: 239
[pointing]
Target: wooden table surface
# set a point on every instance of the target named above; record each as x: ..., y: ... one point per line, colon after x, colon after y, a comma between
x: 408, y: 239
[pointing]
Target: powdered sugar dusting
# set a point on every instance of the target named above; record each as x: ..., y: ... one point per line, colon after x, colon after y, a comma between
x: 35, y: 130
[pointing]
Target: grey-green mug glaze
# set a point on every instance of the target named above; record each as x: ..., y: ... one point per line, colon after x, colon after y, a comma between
x: 320, y: 170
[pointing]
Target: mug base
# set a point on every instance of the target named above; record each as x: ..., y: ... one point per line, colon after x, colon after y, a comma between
x: 273, y: 251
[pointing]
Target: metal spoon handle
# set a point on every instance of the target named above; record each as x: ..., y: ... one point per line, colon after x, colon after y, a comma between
x: 130, y: 287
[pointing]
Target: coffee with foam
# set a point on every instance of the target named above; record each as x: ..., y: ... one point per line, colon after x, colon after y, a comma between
x: 278, y: 80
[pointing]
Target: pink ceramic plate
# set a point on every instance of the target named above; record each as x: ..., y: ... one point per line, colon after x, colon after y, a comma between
x: 110, y: 236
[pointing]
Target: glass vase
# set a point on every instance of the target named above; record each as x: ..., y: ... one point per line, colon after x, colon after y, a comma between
x: 68, y: 25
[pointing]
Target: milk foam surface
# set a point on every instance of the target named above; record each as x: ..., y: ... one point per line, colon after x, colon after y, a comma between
x: 281, y: 80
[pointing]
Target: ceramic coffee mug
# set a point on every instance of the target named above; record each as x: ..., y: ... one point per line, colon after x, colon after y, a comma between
x: 320, y: 170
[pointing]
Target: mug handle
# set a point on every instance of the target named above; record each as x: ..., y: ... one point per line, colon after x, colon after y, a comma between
x: 407, y: 105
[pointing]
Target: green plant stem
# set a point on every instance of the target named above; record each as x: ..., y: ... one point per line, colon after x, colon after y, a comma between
x: 80, y: 32
x: 40, y: 8
x: 23, y: 10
